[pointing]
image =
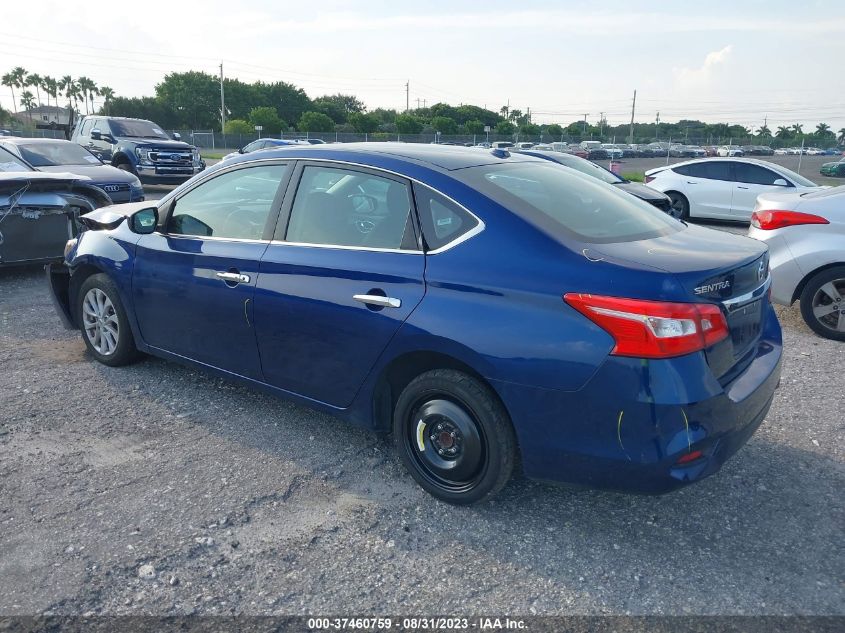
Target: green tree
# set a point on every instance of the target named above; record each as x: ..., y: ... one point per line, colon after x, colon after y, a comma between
x: 408, y: 124
x: 10, y: 82
x: 87, y: 90
x: 364, y: 123
x: 505, y: 128
x: 194, y: 98
x: 764, y: 132
x: 51, y: 87
x: 238, y: 126
x: 474, y: 127
x: 28, y: 102
x: 529, y: 129
x: 841, y: 137
x: 36, y: 81
x: 315, y: 122
x: 823, y: 130
x: 68, y: 87
x: 554, y: 130
x: 783, y: 133
x: 107, y: 94
x: 268, y: 119
x: 444, y: 125
x: 338, y: 106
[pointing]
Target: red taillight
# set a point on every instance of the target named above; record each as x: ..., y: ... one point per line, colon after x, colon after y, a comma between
x: 648, y: 179
x: 689, y: 458
x: 770, y: 220
x: 653, y: 329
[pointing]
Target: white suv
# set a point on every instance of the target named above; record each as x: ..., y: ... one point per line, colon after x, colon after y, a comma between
x: 729, y: 150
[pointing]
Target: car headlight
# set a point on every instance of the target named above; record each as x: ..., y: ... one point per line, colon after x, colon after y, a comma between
x: 143, y: 153
x: 196, y: 155
x: 136, y: 184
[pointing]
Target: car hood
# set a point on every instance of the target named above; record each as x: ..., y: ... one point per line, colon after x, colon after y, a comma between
x: 100, y: 173
x: 38, y: 176
x: 151, y: 142
x: 641, y: 191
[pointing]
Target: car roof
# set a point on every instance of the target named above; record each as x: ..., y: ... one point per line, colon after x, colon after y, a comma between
x: 448, y: 157
x: 732, y: 159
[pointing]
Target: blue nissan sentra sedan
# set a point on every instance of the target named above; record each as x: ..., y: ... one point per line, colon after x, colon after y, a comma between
x: 490, y: 309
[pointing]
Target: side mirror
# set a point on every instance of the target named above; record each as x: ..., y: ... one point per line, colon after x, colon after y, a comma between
x: 780, y: 182
x: 241, y: 151
x: 96, y: 135
x: 177, y: 136
x: 144, y: 221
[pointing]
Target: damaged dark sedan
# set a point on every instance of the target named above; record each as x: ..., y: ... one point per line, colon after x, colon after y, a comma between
x: 39, y: 212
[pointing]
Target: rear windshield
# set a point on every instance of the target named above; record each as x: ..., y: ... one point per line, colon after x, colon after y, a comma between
x: 58, y: 153
x: 565, y: 204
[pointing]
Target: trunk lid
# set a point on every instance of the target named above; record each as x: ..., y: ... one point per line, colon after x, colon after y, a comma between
x: 712, y: 267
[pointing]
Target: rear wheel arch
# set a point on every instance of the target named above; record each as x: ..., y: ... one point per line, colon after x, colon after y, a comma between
x: 803, y: 283
x: 402, y: 370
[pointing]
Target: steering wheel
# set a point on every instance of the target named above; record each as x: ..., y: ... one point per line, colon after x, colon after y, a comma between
x: 363, y: 202
x: 233, y: 224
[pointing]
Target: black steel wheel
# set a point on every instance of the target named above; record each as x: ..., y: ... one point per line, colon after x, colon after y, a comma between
x: 679, y: 205
x: 454, y: 436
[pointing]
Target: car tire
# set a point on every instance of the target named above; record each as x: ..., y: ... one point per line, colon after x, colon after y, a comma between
x: 823, y: 303
x: 679, y: 207
x: 103, y: 322
x: 454, y: 436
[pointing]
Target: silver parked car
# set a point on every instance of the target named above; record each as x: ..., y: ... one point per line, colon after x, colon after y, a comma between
x: 805, y: 232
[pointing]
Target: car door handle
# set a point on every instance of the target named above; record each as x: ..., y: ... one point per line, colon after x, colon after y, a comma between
x: 691, y: 182
x: 740, y: 187
x: 237, y: 278
x: 378, y: 300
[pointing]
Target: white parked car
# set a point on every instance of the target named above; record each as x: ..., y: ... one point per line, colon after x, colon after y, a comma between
x: 781, y: 151
x: 805, y: 233
x: 722, y: 188
x: 730, y: 150
x: 814, y: 151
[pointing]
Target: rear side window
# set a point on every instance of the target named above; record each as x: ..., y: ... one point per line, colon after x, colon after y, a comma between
x: 442, y: 220
x: 754, y: 174
x: 711, y: 170
x: 86, y: 127
x: 565, y: 204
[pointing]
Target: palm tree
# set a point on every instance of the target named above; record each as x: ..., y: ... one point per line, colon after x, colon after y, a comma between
x: 783, y: 132
x: 841, y: 138
x: 28, y: 102
x: 107, y: 94
x: 9, y: 81
x: 504, y: 111
x: 51, y: 87
x: 764, y: 132
x: 87, y: 90
x: 36, y: 81
x: 798, y: 128
x: 68, y: 86
x: 516, y: 114
x: 823, y: 130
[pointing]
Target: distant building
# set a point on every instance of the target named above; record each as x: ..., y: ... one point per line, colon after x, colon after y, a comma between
x: 44, y: 114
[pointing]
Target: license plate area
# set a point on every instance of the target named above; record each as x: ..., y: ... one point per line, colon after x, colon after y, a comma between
x: 744, y: 324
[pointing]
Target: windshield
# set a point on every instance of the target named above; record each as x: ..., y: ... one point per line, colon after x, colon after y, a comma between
x: 137, y: 128
x: 565, y: 204
x: 10, y: 162
x: 58, y: 153
x: 796, y: 178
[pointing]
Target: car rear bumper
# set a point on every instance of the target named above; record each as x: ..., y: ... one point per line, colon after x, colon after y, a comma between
x: 629, y: 425
x: 786, y: 275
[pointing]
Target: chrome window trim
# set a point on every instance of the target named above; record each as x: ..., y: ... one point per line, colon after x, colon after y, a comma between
x: 478, y: 228
x: 183, y: 236
x: 461, y: 238
x: 349, y: 248
x: 738, y: 302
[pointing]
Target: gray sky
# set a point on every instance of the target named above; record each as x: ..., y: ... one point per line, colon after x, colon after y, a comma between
x: 731, y: 61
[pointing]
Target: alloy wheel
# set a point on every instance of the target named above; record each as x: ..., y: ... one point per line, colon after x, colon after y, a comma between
x: 100, y: 322
x: 829, y: 305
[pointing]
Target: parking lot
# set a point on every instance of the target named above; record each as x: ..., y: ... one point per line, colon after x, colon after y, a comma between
x: 158, y: 489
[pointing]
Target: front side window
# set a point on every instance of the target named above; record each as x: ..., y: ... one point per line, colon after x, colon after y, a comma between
x: 565, y: 204
x: 234, y: 205
x: 711, y: 170
x: 342, y: 207
x: 87, y: 127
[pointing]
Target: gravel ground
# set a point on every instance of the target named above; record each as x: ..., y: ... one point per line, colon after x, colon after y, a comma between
x: 156, y: 489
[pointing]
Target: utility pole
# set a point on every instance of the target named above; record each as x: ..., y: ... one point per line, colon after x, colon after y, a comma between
x: 222, y: 103
x: 633, y: 109
x: 407, y: 95
x: 601, y: 123
x: 586, y: 114
x: 656, y: 126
